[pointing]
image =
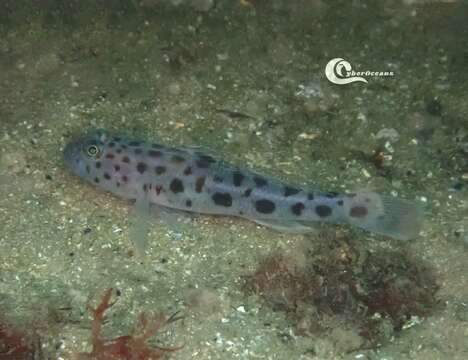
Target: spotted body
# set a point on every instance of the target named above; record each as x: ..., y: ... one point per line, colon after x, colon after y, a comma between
x: 187, y: 179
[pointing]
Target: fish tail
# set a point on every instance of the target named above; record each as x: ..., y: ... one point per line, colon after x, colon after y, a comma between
x: 386, y: 215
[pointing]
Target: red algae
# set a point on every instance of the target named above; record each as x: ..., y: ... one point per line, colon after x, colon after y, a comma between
x: 127, y: 347
x: 366, y: 291
x: 17, y: 344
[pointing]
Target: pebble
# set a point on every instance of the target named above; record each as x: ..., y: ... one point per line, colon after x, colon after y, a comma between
x: 223, y: 56
x: 434, y: 107
x: 312, y: 89
x: 308, y: 136
x: 389, y: 134
x: 202, y: 5
x: 13, y: 162
x: 174, y: 88
x: 46, y: 64
x: 417, y: 121
x: 241, y: 309
x: 461, y: 311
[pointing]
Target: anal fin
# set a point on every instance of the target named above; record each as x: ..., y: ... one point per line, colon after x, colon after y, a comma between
x: 288, y: 226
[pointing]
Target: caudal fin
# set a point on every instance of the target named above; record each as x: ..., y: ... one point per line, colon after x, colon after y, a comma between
x: 386, y: 215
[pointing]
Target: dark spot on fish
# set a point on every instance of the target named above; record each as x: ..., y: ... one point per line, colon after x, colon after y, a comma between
x: 222, y: 199
x: 107, y: 176
x: 188, y: 170
x: 137, y: 151
x: 204, y: 161
x: 217, y: 179
x: 297, y: 208
x: 188, y: 203
x: 288, y: 191
x: 247, y: 192
x: 117, y: 183
x: 88, y: 169
x: 340, y: 202
x: 358, y: 211
x: 118, y: 150
x: 199, y: 183
x: 117, y: 138
x: 259, y: 181
x: 323, y: 210
x: 155, y: 153
x: 310, y: 196
x: 145, y: 187
x: 111, y: 144
x: 96, y: 180
x: 177, y: 159
x: 176, y: 186
x: 109, y: 156
x: 126, y: 159
x: 117, y: 167
x: 156, y: 146
x: 331, y: 194
x: 134, y: 143
x: 265, y: 206
x: 124, y: 146
x: 160, y: 170
x: 125, y: 178
x: 158, y: 189
x: 237, y: 178
x: 141, y: 167
x: 97, y: 164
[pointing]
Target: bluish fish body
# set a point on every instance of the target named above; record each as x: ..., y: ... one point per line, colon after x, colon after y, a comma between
x: 186, y: 179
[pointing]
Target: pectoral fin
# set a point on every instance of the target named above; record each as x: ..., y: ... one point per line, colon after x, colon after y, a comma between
x: 140, y: 226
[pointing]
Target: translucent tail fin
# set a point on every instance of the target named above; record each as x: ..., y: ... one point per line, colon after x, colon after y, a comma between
x: 386, y: 215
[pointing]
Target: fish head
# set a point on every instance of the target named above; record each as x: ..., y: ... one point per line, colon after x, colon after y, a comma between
x: 82, y: 153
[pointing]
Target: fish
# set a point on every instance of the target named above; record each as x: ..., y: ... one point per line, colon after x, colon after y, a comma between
x: 192, y: 180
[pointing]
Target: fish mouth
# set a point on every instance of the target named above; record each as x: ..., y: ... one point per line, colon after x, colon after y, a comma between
x: 71, y: 155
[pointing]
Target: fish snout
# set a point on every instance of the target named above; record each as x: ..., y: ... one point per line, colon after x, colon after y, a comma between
x: 72, y: 155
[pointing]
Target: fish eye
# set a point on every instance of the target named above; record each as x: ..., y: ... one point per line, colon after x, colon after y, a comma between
x: 92, y: 151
